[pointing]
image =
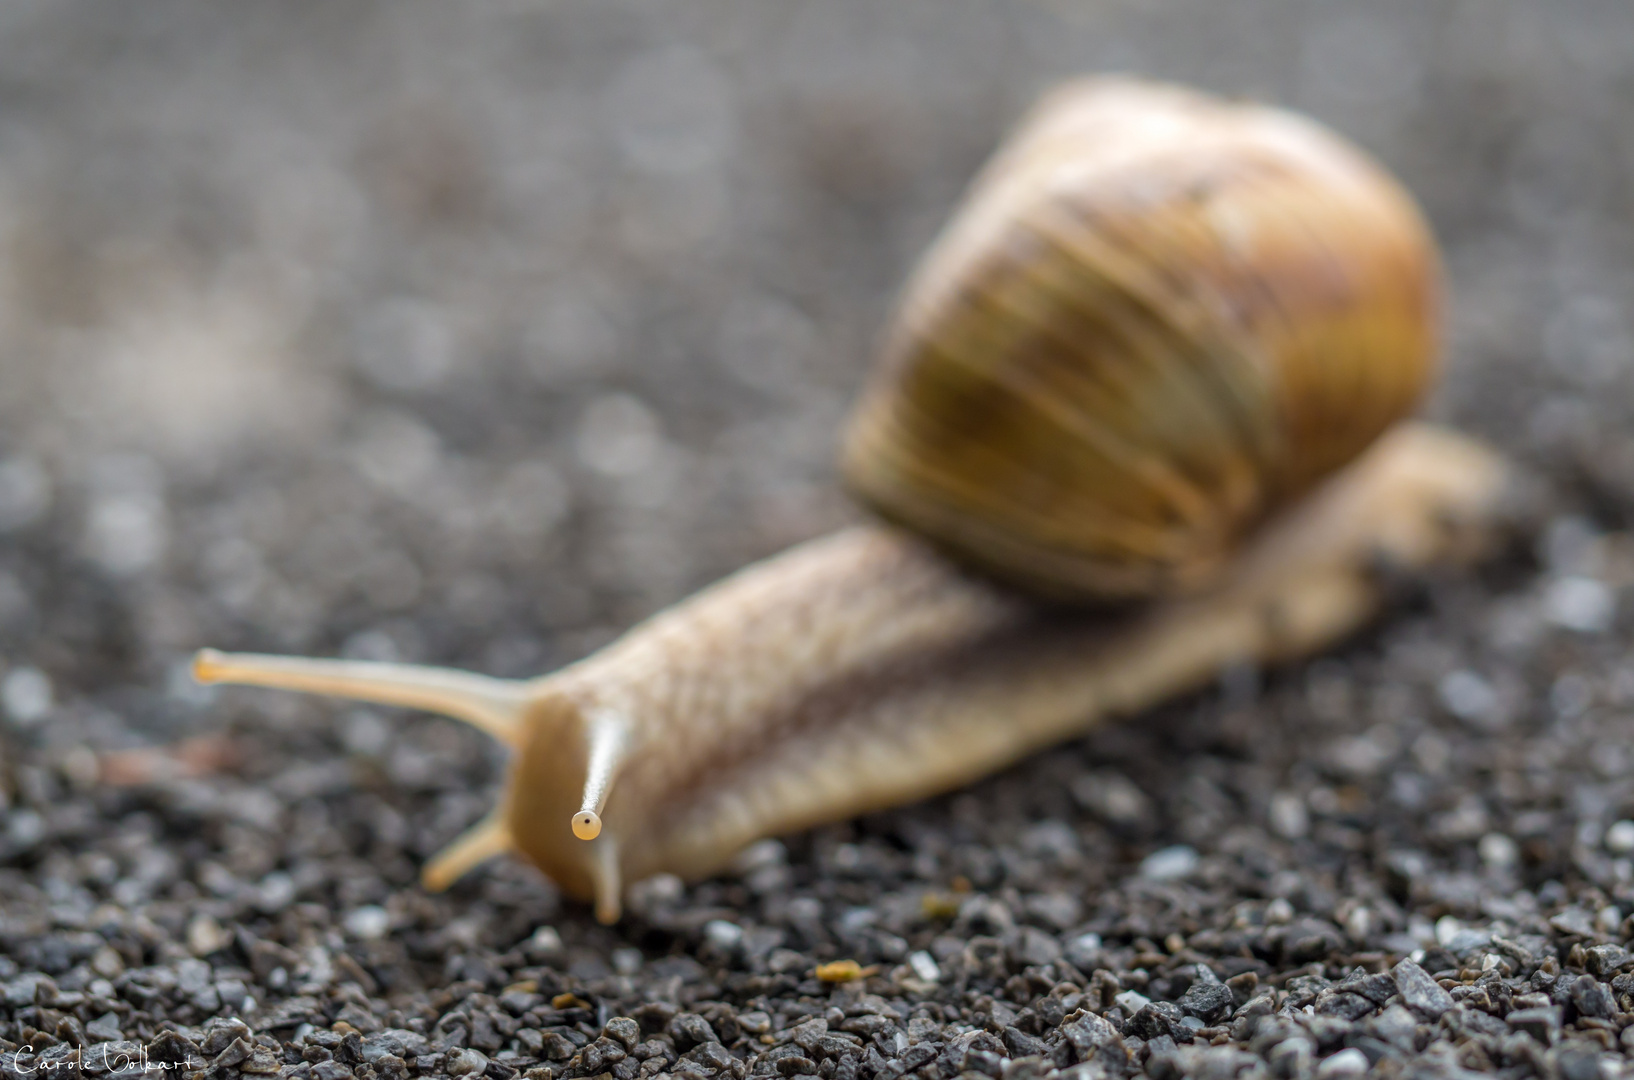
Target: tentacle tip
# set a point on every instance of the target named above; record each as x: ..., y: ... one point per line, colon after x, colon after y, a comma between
x: 207, y: 665
x: 608, y: 910
x: 587, y: 826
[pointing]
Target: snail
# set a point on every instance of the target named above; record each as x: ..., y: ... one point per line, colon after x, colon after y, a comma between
x: 1140, y: 417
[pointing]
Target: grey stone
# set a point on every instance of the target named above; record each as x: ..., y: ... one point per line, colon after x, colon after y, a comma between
x: 1421, y: 993
x: 1540, y: 1022
x: 467, y: 1062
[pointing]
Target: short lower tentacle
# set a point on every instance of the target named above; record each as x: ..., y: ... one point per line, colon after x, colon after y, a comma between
x: 482, y: 842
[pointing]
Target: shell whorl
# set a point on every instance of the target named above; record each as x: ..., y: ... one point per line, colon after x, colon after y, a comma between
x: 1158, y: 318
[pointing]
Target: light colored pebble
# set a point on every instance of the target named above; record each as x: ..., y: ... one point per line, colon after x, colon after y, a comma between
x: 1351, y: 1062
x: 108, y: 963
x: 25, y: 829
x: 1170, y: 863
x: 275, y: 892
x: 467, y: 1062
x: 1288, y: 817
x: 26, y: 695
x: 1131, y: 1001
x: 1470, y: 698
x: 1580, y: 603
x: 368, y: 923
x: 1084, y: 950
x: 205, y: 936
x: 1111, y: 796
x: 545, y: 941
x: 1498, y: 851
x: 723, y: 934
x: 627, y: 960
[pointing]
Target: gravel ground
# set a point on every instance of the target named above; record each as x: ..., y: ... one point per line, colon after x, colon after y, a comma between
x: 400, y: 331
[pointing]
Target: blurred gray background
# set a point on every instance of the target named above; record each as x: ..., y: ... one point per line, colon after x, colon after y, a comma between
x: 473, y: 333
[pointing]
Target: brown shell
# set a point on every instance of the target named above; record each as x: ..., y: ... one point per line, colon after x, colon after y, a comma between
x: 1159, y: 317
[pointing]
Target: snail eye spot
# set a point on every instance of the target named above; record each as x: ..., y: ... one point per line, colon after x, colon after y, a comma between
x: 586, y: 825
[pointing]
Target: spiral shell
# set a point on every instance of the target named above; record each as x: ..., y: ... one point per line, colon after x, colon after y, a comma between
x: 1159, y: 317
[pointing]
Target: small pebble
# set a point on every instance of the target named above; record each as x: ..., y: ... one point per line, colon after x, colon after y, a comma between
x: 1421, y: 993
x: 368, y: 923
x: 1288, y: 816
x: 1170, y: 863
x: 1580, y: 603
x: 1345, y: 1063
x: 206, y: 936
x: 467, y: 1062
x: 1470, y: 697
x: 26, y: 695
x: 105, y: 1028
x: 840, y: 971
x: 545, y: 941
x: 723, y: 934
x: 1498, y: 851
x: 1131, y: 1002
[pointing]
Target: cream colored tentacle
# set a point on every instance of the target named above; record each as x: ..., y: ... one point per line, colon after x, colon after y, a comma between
x: 609, y: 737
x: 494, y: 705
x: 483, y: 841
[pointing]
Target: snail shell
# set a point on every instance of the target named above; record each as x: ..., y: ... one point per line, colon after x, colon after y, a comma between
x: 1158, y: 318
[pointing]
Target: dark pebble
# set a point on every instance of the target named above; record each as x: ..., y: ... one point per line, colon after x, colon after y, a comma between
x: 1209, y: 1002
x: 1592, y: 997
x: 1159, y: 1018
x: 1579, y: 1064
x: 1541, y: 1022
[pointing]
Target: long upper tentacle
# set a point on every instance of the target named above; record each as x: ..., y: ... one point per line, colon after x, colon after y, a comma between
x: 494, y: 705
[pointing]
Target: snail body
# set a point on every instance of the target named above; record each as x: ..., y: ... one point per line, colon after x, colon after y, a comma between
x: 1067, y: 405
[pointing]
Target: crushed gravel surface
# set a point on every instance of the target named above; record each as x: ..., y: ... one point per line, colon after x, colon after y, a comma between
x: 399, y: 331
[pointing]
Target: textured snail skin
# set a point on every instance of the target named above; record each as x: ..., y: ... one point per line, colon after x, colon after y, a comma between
x: 861, y: 671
